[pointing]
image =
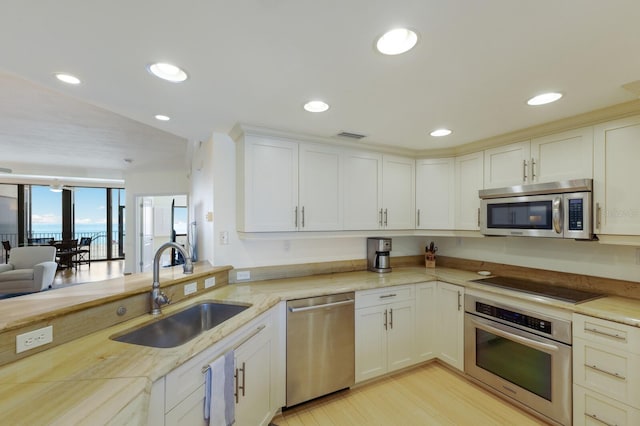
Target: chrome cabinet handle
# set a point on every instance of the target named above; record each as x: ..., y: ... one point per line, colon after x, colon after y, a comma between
x: 478, y: 217
x: 391, y: 319
x: 303, y: 216
x: 385, y: 218
x: 602, y: 333
x: 385, y: 296
x: 385, y: 319
x: 236, y: 394
x: 524, y: 170
x: 380, y: 221
x: 418, y: 218
x: 594, y: 417
x: 598, y: 216
x: 459, y: 300
x: 533, y: 169
x: 295, y: 221
x: 244, y: 374
x: 609, y: 373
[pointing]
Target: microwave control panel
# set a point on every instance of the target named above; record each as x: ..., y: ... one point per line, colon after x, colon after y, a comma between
x: 576, y: 214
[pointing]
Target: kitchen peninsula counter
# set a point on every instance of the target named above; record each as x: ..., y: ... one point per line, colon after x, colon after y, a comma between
x: 94, y: 380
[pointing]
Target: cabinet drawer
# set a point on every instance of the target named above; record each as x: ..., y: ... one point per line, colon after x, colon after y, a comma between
x: 189, y: 412
x: 380, y: 296
x: 612, y: 372
x: 593, y: 409
x: 613, y: 334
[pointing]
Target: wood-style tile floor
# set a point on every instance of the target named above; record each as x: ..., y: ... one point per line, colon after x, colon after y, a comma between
x: 430, y: 394
x: 98, y: 271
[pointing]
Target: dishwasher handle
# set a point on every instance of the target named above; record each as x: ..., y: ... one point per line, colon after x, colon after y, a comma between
x: 324, y: 305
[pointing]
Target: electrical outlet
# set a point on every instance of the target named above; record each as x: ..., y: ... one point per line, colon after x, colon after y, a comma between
x: 33, y: 339
x: 243, y: 275
x: 190, y: 288
x: 224, y: 238
x: 210, y: 282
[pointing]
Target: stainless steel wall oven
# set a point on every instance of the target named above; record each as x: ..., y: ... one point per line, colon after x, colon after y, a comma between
x: 522, y: 354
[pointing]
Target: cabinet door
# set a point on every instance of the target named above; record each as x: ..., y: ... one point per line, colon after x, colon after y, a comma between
x: 362, y: 190
x: 617, y: 196
x: 468, y: 181
x: 563, y: 156
x: 400, y: 335
x: 320, y: 201
x: 435, y: 193
x: 254, y: 360
x: 426, y: 316
x: 507, y: 165
x: 270, y: 187
x: 451, y: 324
x: 398, y: 192
x: 371, y: 342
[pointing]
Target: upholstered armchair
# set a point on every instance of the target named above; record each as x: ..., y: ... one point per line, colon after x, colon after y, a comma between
x: 30, y: 269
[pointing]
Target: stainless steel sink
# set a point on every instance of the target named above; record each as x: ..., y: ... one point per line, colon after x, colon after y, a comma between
x: 182, y: 326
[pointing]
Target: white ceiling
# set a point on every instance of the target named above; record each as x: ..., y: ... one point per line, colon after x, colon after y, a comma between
x: 258, y: 61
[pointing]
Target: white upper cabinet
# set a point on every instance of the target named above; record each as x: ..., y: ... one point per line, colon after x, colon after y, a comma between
x: 398, y: 192
x: 362, y: 190
x: 320, y: 196
x: 379, y: 191
x: 616, y: 193
x: 284, y: 185
x: 557, y: 157
x: 267, y: 193
x: 507, y: 165
x: 468, y: 181
x: 435, y: 188
x: 562, y: 156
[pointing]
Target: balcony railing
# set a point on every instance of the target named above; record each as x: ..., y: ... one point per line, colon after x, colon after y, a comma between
x: 99, y: 242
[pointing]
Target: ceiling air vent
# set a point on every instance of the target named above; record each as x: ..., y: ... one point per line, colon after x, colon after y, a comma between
x: 350, y: 135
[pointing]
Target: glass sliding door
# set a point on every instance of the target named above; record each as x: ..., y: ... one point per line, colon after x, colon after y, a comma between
x: 90, y: 219
x: 44, y: 214
x: 8, y: 217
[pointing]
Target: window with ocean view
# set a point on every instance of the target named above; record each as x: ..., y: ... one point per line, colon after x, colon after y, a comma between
x: 35, y: 214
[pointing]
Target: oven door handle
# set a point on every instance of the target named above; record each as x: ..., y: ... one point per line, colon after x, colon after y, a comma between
x: 510, y: 336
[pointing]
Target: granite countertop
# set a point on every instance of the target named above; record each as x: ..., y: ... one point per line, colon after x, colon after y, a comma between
x: 94, y: 380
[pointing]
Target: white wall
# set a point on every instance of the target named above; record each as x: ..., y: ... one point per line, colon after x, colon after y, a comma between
x: 167, y: 179
x: 579, y: 257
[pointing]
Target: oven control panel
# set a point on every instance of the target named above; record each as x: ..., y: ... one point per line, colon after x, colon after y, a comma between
x: 523, y: 320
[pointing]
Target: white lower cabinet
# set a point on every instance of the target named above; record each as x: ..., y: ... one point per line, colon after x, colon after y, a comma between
x: 450, y: 324
x: 259, y: 378
x: 384, y: 328
x: 426, y: 317
x: 606, y: 372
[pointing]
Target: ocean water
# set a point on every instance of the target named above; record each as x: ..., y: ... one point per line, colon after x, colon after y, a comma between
x: 56, y: 228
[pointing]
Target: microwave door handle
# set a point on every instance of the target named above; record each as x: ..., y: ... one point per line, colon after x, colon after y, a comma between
x: 556, y: 215
x: 546, y: 347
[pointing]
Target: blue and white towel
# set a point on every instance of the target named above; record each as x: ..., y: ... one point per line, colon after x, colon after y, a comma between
x: 219, y: 401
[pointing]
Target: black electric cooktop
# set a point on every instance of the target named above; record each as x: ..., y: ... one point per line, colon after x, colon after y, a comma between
x: 541, y: 289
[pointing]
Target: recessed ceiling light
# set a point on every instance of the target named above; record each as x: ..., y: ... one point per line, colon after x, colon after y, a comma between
x: 167, y: 72
x: 67, y: 78
x: 316, y: 106
x: 440, y: 132
x: 545, y: 98
x: 397, y: 41
x: 162, y: 117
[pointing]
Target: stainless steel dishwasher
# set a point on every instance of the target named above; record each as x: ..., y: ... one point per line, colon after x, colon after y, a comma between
x: 320, y: 346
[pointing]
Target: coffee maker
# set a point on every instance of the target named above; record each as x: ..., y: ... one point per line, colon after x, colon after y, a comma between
x: 378, y: 259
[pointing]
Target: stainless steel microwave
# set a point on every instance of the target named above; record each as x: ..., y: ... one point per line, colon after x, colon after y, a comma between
x: 554, y: 209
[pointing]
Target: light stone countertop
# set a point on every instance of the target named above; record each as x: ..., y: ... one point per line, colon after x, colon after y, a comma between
x: 94, y: 380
